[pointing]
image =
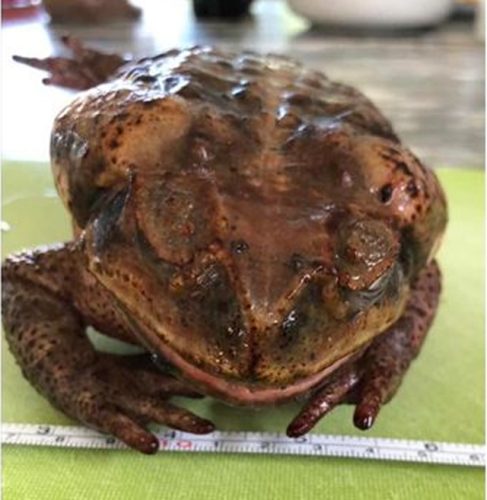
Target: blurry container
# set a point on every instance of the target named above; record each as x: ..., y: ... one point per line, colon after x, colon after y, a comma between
x: 14, y: 10
x: 221, y: 9
x: 374, y: 13
x: 18, y: 4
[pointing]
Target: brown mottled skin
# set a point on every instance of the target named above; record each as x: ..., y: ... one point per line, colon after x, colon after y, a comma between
x: 252, y: 223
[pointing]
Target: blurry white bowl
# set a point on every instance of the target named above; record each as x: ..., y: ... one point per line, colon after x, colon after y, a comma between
x: 374, y: 13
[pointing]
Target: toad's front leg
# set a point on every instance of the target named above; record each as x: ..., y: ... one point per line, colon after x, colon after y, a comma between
x: 45, y: 316
x: 373, y: 380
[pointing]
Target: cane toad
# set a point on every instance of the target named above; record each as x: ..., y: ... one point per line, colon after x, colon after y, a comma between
x: 249, y: 222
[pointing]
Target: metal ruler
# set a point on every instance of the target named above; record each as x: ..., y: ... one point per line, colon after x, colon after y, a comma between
x: 258, y: 442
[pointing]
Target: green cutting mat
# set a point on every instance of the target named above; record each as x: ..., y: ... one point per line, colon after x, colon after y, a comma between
x: 441, y: 399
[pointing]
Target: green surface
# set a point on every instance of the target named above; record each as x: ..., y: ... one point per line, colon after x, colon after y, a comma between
x: 442, y: 397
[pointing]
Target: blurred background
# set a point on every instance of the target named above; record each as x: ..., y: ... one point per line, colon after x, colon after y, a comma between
x: 420, y: 61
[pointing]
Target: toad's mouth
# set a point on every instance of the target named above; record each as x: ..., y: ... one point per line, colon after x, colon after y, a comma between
x: 233, y: 391
x: 250, y: 394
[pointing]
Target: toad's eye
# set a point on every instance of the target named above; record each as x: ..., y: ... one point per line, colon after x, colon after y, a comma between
x: 366, y: 251
x: 389, y: 283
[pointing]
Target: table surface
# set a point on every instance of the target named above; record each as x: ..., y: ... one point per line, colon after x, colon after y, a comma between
x: 430, y: 85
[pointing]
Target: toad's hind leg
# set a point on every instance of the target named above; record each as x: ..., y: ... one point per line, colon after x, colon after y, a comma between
x: 373, y: 380
x: 85, y: 69
x: 45, y: 329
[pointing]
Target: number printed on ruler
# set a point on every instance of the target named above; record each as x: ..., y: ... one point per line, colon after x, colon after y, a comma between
x: 258, y: 442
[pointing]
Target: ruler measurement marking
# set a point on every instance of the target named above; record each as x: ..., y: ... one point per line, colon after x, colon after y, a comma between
x: 259, y: 443
x: 231, y: 439
x: 227, y: 438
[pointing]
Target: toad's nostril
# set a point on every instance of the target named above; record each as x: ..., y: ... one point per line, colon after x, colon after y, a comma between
x: 385, y: 193
x: 239, y: 246
x: 297, y: 262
